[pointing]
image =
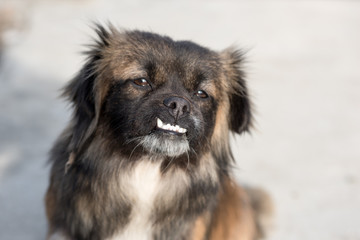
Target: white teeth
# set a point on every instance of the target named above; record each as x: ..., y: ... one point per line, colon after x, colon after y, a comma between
x: 159, y: 123
x: 169, y: 127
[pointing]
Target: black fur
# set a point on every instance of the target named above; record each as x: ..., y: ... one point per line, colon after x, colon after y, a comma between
x: 101, y: 142
x: 240, y: 106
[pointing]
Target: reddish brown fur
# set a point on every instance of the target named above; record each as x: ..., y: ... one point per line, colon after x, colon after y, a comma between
x: 236, y: 217
x: 85, y: 199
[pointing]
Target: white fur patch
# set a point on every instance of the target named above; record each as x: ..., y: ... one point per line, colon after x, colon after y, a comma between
x: 169, y: 147
x: 142, y: 186
x: 57, y: 236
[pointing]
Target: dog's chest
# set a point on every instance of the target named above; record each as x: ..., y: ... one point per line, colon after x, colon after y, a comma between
x: 141, y: 186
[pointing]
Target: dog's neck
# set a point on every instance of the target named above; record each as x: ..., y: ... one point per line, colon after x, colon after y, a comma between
x: 140, y: 185
x: 161, y: 199
x: 138, y: 198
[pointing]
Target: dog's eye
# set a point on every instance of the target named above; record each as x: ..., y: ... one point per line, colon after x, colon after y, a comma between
x: 141, y: 82
x: 201, y: 94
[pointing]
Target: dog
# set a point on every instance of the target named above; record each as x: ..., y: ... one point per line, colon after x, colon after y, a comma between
x: 146, y: 154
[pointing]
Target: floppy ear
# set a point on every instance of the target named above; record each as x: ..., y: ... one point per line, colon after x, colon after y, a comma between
x: 240, y: 119
x: 82, y: 92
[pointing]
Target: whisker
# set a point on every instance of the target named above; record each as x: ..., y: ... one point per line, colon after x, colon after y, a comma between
x: 188, y: 162
x: 193, y: 150
x: 172, y: 159
x: 133, y: 140
x: 134, y: 150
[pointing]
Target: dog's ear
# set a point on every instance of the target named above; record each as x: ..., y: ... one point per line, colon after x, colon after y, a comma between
x: 80, y: 91
x: 240, y: 113
x: 83, y: 93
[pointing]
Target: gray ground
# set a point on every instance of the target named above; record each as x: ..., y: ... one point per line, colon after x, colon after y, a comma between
x: 304, y: 73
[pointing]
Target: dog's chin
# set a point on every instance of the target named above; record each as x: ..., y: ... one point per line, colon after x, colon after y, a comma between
x: 165, y: 144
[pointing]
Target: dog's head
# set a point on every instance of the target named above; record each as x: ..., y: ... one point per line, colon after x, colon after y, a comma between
x: 147, y: 93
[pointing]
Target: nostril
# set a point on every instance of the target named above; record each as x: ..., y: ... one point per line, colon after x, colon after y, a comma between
x: 172, y: 105
x: 184, y: 109
x: 178, y: 106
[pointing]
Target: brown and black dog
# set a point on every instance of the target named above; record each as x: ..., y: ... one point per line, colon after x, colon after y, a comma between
x: 147, y: 154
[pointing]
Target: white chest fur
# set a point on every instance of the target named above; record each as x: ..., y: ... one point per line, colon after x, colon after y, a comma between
x: 141, y: 185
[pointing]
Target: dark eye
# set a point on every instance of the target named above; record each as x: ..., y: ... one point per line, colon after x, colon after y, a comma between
x: 141, y: 82
x: 201, y: 94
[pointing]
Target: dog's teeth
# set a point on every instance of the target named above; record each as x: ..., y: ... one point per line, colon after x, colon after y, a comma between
x: 170, y: 127
x: 159, y: 123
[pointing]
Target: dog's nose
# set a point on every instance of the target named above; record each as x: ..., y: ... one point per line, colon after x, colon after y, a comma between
x: 178, y: 106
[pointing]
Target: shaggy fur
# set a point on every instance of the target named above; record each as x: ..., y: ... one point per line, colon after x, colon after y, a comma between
x: 117, y: 174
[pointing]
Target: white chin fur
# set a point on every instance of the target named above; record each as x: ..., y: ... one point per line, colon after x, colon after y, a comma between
x: 164, y: 146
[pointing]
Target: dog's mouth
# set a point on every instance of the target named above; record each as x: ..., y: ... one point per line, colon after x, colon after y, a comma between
x: 169, y: 128
x: 166, y: 139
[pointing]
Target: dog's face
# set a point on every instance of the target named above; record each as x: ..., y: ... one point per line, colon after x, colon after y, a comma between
x: 150, y: 94
x: 164, y: 96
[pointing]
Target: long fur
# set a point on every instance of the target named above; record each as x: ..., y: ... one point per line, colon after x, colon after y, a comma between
x: 116, y: 176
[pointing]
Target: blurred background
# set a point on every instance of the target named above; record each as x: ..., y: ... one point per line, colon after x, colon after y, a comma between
x: 303, y: 65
